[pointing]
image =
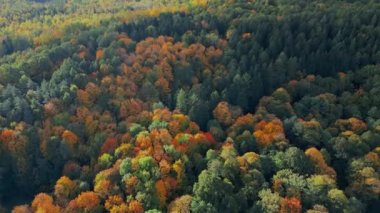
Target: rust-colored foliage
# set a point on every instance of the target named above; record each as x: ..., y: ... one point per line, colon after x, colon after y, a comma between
x: 170, y: 183
x: 125, y: 39
x: 70, y: 169
x: 374, y: 158
x: 277, y: 185
x: 135, y: 207
x: 44, y: 203
x: 182, y: 142
x: 130, y: 183
x: 6, y: 135
x: 109, y: 146
x: 246, y: 36
x: 84, y: 97
x: 50, y: 108
x: 290, y: 205
x: 93, y: 90
x: 70, y: 137
x: 267, y: 132
x: 83, y: 52
x: 164, y: 167
x: 244, y: 122
x: 162, y: 192
x: 143, y: 141
x: 87, y: 201
x: 99, y: 54
x: 152, y: 56
x: 223, y: 114
x: 22, y: 209
x: 162, y: 85
x: 317, y: 158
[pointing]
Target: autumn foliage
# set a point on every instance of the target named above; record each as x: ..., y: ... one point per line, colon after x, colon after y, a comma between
x: 44, y: 203
x: 223, y: 114
x: 321, y: 166
x: 87, y: 201
x: 290, y: 205
x: 144, y: 106
x: 268, y: 132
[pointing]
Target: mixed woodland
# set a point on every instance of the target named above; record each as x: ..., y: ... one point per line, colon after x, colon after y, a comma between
x: 190, y: 106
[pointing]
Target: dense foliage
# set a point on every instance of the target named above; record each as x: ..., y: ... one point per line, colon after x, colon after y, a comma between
x: 190, y: 106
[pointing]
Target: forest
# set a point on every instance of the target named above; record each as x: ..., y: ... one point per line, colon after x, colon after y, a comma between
x: 131, y: 106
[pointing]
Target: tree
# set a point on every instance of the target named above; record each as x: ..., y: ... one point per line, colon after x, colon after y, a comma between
x: 348, y: 145
x: 212, y: 193
x: 320, y: 165
x: 109, y: 146
x: 363, y: 180
x: 290, y: 205
x: 44, y: 203
x: 245, y: 142
x: 318, y: 209
x: 268, y: 132
x: 21, y: 209
x: 115, y: 203
x: 337, y: 200
x: 99, y: 54
x: 294, y: 159
x: 317, y: 188
x: 242, y: 123
x: 278, y: 104
x: 269, y: 201
x: 181, y: 204
x: 181, y: 102
x: 87, y: 201
x: 162, y: 192
x: 70, y: 137
x: 289, y: 184
x: 307, y: 133
x: 135, y: 207
x: 64, y: 188
x: 223, y: 114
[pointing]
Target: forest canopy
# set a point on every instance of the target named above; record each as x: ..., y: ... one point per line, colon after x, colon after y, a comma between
x: 189, y: 106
